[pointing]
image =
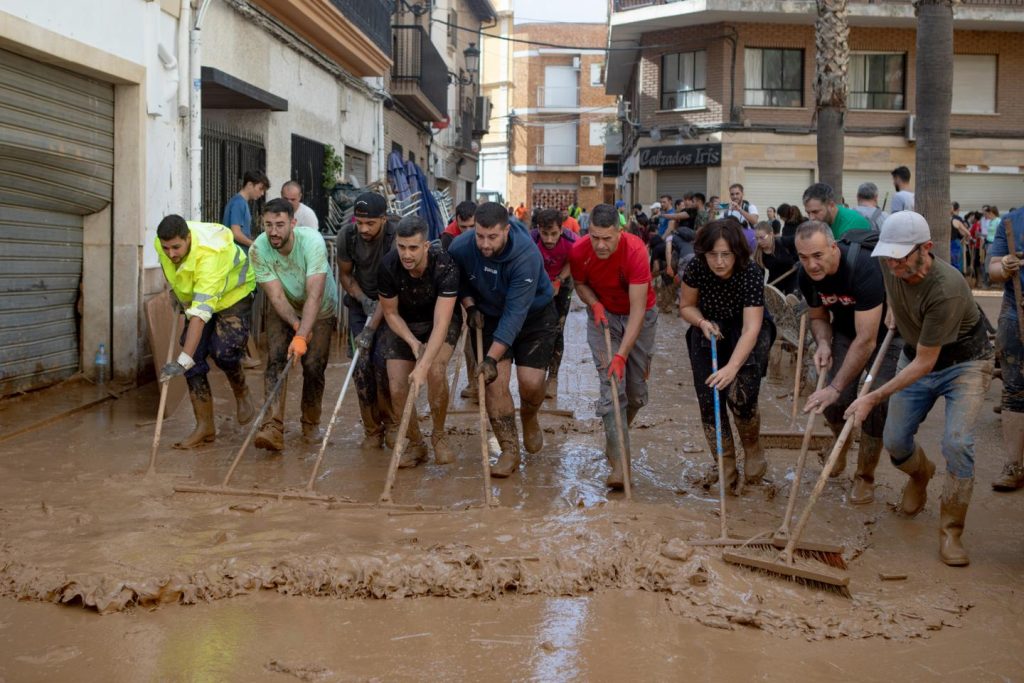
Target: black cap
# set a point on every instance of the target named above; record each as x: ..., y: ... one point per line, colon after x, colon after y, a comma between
x: 370, y: 205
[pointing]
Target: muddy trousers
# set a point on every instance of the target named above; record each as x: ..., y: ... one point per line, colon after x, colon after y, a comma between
x: 740, y: 397
x: 963, y: 386
x: 224, y: 339
x: 371, y: 379
x: 314, y: 364
x: 562, y: 302
x: 1011, y: 359
x: 875, y: 422
x: 633, y: 392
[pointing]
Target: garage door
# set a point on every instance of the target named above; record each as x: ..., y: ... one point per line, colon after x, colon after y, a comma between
x: 56, y: 165
x: 974, y: 190
x: 677, y: 182
x: 764, y: 187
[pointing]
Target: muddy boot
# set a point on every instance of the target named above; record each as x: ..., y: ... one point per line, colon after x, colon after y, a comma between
x: 840, y: 466
x: 863, y: 491
x: 754, y: 463
x: 1012, y: 476
x: 956, y: 496
x: 551, y: 387
x: 443, y: 453
x: 373, y: 430
x: 504, y: 429
x: 245, y: 409
x: 311, y: 433
x: 915, y: 493
x: 616, y: 480
x: 202, y: 406
x: 415, y: 449
x: 271, y: 435
x: 533, y: 437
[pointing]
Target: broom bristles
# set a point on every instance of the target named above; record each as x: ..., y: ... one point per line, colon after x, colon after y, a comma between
x: 771, y: 563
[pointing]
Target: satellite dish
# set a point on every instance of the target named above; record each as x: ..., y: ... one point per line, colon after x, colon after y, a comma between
x: 656, y: 134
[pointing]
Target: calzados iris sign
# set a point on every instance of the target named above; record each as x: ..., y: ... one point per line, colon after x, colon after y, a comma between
x: 681, y: 155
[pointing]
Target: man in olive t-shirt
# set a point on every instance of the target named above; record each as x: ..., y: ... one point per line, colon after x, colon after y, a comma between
x: 947, y: 354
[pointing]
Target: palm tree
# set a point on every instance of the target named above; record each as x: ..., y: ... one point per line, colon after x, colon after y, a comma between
x: 934, y: 100
x: 832, y: 62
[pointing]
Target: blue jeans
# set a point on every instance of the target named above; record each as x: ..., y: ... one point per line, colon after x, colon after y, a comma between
x: 964, y: 387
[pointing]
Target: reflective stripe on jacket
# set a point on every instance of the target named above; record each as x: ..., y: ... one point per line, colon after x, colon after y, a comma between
x: 213, y: 276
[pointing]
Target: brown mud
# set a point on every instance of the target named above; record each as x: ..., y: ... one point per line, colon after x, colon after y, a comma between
x: 562, y: 560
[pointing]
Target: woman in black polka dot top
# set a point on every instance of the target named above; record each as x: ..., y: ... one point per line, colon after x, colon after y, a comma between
x: 723, y: 296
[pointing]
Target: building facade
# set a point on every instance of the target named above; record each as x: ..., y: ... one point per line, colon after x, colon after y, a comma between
x: 560, y: 117
x: 715, y: 92
x: 497, y: 86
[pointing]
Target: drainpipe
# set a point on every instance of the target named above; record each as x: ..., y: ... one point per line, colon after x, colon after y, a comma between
x: 184, y: 19
x: 195, y: 115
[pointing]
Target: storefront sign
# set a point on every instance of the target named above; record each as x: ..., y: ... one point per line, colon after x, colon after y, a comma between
x: 681, y: 156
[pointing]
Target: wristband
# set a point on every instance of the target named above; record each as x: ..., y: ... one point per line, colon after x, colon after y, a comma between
x: 834, y: 388
x: 185, y: 361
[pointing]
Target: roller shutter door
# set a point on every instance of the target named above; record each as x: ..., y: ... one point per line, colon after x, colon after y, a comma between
x: 974, y: 190
x: 56, y: 165
x: 677, y: 182
x: 764, y: 187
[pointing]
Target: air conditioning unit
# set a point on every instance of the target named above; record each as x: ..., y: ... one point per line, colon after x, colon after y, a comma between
x: 623, y: 114
x: 911, y: 129
x: 588, y: 181
x: 576, y: 63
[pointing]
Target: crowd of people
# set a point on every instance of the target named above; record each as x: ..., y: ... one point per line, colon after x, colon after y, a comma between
x: 505, y: 279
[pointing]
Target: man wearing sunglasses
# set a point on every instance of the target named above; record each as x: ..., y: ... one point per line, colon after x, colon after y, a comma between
x: 946, y: 354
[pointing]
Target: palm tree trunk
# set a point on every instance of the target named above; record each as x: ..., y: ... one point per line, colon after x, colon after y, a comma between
x: 934, y: 100
x: 832, y: 61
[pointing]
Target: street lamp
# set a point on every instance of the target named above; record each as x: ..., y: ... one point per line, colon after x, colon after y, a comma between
x: 472, y: 55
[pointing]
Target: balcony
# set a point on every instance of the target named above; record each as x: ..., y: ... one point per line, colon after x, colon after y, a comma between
x: 557, y: 155
x: 419, y: 76
x: 355, y: 34
x: 558, y: 97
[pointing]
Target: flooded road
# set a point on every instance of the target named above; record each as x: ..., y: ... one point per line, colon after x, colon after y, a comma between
x: 562, y: 582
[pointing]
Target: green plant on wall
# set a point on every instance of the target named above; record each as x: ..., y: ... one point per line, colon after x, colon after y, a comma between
x: 334, y: 167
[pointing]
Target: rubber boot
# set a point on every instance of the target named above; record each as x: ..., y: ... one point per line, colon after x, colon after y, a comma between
x: 443, y: 453
x: 956, y: 496
x: 733, y: 486
x: 1012, y: 476
x: 415, y: 450
x: 271, y: 434
x: 202, y: 406
x: 863, y: 491
x: 245, y: 409
x: 616, y: 480
x: 840, y: 466
x: 915, y: 493
x: 533, y: 437
x: 505, y: 432
x: 373, y: 430
x: 754, y: 463
x: 311, y: 432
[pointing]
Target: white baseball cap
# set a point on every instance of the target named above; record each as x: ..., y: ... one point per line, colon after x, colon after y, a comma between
x: 900, y: 233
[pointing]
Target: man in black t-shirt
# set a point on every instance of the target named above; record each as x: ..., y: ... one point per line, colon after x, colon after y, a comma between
x: 846, y: 295
x: 418, y: 286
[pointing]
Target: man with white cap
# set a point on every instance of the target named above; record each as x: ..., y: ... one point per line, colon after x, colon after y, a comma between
x: 946, y: 354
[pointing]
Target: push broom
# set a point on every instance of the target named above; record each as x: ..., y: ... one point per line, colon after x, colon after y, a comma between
x: 784, y: 563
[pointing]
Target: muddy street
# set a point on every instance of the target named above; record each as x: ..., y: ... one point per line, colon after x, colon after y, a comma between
x: 105, y: 571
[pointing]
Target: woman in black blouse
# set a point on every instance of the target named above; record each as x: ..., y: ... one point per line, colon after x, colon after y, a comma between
x: 723, y: 295
x: 777, y: 255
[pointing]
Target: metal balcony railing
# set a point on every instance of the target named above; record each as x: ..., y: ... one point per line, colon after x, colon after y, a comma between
x: 557, y: 155
x: 372, y: 17
x: 418, y: 62
x: 625, y: 5
x: 567, y: 96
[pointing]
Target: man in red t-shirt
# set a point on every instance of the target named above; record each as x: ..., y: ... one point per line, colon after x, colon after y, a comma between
x: 463, y: 220
x: 612, y: 272
x: 555, y: 242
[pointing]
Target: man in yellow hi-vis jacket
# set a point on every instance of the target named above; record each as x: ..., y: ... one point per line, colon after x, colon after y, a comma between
x: 212, y: 282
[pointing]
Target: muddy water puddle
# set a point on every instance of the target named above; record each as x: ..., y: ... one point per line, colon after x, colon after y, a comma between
x: 563, y: 581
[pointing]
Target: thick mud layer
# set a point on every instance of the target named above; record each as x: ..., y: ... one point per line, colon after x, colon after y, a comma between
x: 81, y: 525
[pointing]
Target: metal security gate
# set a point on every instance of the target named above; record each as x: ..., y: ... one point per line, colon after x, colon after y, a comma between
x: 308, y: 170
x: 226, y: 157
x: 56, y: 165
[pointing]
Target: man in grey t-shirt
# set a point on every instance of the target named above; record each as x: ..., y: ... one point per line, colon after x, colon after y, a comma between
x: 867, y: 205
x: 903, y: 200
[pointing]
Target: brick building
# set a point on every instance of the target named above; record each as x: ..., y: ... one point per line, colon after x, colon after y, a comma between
x: 560, y: 116
x: 720, y: 91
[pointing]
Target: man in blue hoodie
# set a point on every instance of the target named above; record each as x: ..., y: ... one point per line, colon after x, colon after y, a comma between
x: 507, y: 294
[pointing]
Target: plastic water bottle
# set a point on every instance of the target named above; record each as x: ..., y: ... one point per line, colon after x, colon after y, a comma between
x: 102, y: 365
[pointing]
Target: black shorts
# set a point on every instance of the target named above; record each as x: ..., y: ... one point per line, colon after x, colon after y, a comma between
x: 535, y: 343
x: 394, y: 347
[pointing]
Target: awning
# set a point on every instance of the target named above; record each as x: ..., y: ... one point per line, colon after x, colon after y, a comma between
x: 224, y: 91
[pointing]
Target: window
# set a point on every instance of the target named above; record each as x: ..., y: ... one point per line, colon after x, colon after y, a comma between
x: 453, y: 28
x: 773, y: 78
x: 596, y: 77
x: 561, y: 87
x: 974, y: 84
x: 559, y: 148
x: 876, y: 81
x: 683, y: 80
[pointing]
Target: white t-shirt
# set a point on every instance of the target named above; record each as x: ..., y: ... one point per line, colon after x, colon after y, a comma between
x: 740, y: 217
x: 903, y: 201
x: 306, y: 217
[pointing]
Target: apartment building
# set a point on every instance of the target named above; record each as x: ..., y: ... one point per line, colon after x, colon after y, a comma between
x: 496, y: 85
x: 720, y: 91
x: 560, y: 117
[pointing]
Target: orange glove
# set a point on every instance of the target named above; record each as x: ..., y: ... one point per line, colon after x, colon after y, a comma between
x: 297, y: 348
x: 556, y: 284
x: 617, y: 369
